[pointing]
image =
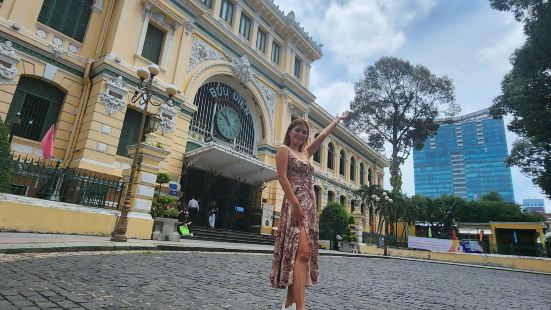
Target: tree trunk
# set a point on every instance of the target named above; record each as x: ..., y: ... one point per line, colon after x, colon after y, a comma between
x: 395, y: 172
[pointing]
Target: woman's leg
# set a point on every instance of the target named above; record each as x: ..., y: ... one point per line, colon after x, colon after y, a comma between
x: 290, y: 298
x: 301, y: 268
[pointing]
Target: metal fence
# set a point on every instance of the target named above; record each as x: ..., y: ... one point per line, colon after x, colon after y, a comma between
x: 374, y: 238
x: 46, y: 180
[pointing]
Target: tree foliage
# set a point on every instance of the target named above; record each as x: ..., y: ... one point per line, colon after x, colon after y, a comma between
x: 397, y: 103
x: 5, y: 159
x: 333, y: 220
x: 526, y: 91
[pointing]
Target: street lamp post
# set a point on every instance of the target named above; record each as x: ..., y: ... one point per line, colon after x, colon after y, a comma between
x: 142, y: 95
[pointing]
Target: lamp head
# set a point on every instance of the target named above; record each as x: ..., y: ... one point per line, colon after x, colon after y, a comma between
x: 142, y: 73
x: 153, y: 69
x: 171, y: 90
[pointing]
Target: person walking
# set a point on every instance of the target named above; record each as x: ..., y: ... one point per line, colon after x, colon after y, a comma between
x: 193, y: 208
x: 295, y: 258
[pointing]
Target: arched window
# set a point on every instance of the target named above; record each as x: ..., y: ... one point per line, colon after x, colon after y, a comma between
x: 330, y: 196
x: 369, y: 177
x: 352, y: 169
x: 330, y: 156
x: 317, y: 153
x: 68, y: 17
x: 38, y: 104
x: 341, y: 162
x: 362, y: 172
x: 342, y: 200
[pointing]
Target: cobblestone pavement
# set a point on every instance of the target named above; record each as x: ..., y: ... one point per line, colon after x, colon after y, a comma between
x: 195, y: 280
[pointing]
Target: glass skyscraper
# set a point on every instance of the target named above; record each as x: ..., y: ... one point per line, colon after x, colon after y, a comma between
x: 465, y: 158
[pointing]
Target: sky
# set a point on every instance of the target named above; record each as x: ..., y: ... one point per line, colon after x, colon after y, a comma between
x: 467, y: 41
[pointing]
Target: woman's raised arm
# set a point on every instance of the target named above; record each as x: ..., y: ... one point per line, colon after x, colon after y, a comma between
x: 314, y: 146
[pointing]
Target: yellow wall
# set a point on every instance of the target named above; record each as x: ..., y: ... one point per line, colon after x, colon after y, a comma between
x: 513, y: 262
x: 27, y: 217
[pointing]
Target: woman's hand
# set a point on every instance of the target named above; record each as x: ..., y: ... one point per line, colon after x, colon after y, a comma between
x: 297, y: 215
x: 343, y: 116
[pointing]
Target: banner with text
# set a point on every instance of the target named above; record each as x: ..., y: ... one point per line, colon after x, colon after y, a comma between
x: 432, y: 244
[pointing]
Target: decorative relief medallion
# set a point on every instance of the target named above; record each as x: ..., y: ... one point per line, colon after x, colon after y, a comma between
x: 41, y: 33
x: 113, y: 97
x: 201, y: 52
x: 8, y: 60
x: 270, y: 99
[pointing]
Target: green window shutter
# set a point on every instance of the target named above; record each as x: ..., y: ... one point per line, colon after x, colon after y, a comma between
x: 245, y: 26
x: 297, y: 67
x: 153, y: 44
x: 68, y: 17
x: 130, y: 130
x: 45, y: 11
x: 261, y: 40
x: 275, y: 53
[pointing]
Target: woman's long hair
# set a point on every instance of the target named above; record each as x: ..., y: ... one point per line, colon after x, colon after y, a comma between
x: 298, y: 121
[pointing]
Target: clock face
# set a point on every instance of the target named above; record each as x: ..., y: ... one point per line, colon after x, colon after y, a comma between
x: 228, y: 123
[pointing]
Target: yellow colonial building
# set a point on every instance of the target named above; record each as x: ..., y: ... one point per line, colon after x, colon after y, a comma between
x: 242, y: 69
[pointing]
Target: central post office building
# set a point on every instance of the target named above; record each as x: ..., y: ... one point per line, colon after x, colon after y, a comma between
x: 242, y: 68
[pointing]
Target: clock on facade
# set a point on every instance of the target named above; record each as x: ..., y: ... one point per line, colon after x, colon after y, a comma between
x: 228, y: 123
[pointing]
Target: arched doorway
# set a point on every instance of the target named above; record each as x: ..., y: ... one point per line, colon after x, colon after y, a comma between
x: 221, y: 168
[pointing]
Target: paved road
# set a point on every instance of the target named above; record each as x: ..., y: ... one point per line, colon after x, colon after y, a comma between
x: 193, y: 280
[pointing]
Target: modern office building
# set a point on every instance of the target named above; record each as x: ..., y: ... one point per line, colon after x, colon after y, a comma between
x: 534, y: 205
x: 465, y: 158
x: 242, y: 68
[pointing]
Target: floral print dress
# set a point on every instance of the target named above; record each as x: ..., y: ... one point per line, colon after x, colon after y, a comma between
x: 299, y: 174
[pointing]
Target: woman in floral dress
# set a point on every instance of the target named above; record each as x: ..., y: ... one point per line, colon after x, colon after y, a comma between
x: 295, y: 260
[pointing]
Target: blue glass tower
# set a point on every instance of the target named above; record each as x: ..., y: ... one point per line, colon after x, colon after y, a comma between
x: 465, y: 158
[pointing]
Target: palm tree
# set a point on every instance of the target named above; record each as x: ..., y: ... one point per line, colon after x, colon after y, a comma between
x: 367, y: 194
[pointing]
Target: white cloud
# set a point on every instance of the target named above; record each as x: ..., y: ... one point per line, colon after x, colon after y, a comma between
x: 356, y: 30
x: 332, y: 95
x: 497, y: 53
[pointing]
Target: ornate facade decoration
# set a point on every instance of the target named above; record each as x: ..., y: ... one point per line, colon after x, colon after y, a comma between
x: 159, y: 18
x: 56, y: 50
x: 8, y: 60
x: 188, y: 27
x: 242, y: 68
x: 113, y: 97
x: 167, y: 115
x: 201, y: 52
x: 270, y: 99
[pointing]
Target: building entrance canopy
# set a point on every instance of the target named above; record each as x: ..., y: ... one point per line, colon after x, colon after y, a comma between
x: 231, y: 164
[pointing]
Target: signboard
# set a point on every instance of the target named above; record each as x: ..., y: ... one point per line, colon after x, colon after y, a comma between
x: 173, y: 188
x: 432, y: 244
x: 267, y: 215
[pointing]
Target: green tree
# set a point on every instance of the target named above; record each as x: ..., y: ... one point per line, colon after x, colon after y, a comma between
x: 398, y: 103
x: 333, y: 220
x: 526, y: 91
x: 491, y: 196
x: 162, y: 178
x: 5, y: 159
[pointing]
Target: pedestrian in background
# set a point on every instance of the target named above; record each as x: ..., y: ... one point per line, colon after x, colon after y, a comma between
x: 212, y: 215
x: 295, y: 260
